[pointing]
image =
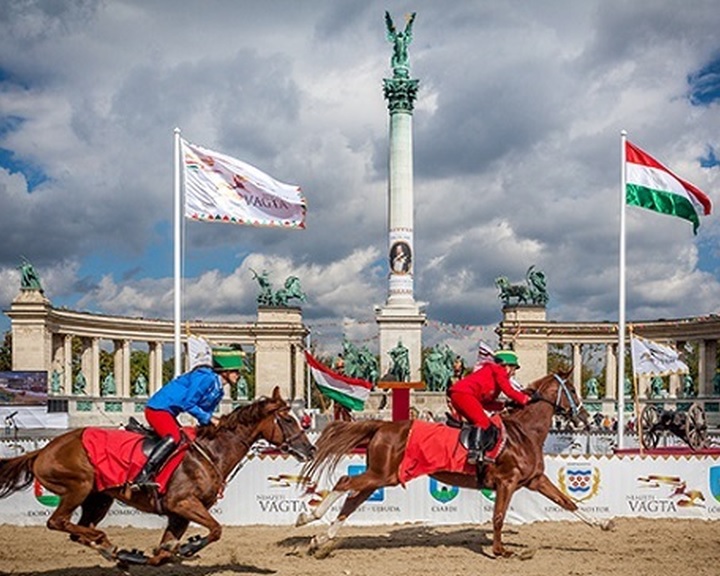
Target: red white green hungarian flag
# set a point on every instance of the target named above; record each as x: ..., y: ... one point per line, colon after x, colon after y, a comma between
x: 349, y: 392
x: 650, y: 185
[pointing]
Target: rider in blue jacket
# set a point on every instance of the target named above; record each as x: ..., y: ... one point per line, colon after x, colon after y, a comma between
x: 198, y: 393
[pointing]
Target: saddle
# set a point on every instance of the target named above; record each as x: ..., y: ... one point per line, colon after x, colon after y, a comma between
x: 495, y: 439
x: 150, y: 437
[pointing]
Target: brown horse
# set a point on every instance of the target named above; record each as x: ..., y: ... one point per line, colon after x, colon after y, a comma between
x: 63, y: 467
x: 519, y: 465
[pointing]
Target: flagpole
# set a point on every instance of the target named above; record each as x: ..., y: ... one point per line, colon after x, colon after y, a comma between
x: 621, y: 301
x: 177, y: 236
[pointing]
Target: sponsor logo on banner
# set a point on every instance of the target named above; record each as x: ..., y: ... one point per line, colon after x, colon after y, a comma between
x: 664, y: 494
x: 45, y: 497
x: 714, y: 483
x: 579, y: 480
x: 443, y: 493
x: 281, y: 501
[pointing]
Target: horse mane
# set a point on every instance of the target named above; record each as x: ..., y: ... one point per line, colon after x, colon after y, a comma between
x: 245, y: 415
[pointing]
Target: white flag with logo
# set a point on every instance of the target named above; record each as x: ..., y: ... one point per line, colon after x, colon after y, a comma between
x: 219, y: 188
x: 651, y: 358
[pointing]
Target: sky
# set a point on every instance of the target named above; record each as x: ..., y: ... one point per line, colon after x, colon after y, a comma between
x: 516, y: 136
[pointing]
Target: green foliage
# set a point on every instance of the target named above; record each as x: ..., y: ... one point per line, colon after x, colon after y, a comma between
x: 6, y: 352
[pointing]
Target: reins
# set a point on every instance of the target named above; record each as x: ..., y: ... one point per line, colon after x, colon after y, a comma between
x: 285, y: 447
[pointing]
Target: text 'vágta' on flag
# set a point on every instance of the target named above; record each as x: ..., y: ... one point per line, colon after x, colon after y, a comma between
x: 348, y: 392
x: 219, y: 188
x: 652, y: 359
x: 650, y: 185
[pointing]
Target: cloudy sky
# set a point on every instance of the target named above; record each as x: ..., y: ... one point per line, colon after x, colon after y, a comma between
x: 516, y: 147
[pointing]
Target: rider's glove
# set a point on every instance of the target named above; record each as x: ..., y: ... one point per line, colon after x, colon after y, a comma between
x: 535, y: 396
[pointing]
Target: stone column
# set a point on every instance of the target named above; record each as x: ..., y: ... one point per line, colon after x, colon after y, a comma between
x: 577, y: 368
x: 280, y: 337
x: 32, y: 341
x: 400, y: 319
x: 67, y: 364
x: 707, y: 365
x: 522, y: 329
x: 122, y: 380
x: 156, y: 364
x: 611, y: 389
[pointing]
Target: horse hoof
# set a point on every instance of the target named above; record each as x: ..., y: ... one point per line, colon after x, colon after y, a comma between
x: 608, y: 525
x: 325, y: 548
x: 192, y: 546
x: 133, y: 556
x: 302, y: 519
x: 526, y: 554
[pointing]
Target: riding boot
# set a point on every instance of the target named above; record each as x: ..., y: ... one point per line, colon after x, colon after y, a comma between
x: 160, y: 452
x: 475, y: 451
x: 490, y: 440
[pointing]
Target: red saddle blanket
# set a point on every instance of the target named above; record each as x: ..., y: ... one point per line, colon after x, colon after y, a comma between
x: 433, y: 447
x: 118, y: 457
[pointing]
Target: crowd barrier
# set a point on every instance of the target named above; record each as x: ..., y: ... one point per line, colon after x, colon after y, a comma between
x: 266, y: 492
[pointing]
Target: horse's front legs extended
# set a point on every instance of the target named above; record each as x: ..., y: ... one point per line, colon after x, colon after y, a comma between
x: 502, y: 501
x: 180, y: 514
x: 543, y: 485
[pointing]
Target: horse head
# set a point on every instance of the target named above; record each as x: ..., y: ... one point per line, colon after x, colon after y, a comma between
x: 557, y: 391
x: 275, y: 423
x: 283, y: 430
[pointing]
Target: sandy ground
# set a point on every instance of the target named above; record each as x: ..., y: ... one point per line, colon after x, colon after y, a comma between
x: 636, y: 547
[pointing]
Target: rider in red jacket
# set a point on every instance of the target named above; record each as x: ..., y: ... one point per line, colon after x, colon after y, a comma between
x: 477, y: 394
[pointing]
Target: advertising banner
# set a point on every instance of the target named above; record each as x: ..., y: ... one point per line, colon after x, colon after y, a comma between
x: 267, y: 491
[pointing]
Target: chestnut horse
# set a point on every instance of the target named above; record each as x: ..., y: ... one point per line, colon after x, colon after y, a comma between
x: 63, y: 467
x: 519, y: 465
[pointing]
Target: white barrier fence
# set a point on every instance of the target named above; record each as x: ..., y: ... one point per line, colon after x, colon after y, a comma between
x: 265, y: 492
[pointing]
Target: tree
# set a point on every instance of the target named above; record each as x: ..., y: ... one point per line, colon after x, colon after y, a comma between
x: 6, y: 352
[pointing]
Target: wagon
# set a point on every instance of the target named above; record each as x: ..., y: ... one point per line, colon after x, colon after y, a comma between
x: 690, y: 427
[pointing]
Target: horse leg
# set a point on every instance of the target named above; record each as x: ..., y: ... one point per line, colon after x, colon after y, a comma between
x: 320, y: 510
x: 181, y: 512
x: 360, y: 488
x: 502, y: 501
x: 544, y: 486
x: 86, y: 535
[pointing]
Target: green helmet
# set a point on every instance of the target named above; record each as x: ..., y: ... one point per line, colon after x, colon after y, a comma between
x: 226, y: 358
x: 507, y: 357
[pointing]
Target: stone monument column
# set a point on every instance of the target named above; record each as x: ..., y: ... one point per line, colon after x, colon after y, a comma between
x: 400, y: 319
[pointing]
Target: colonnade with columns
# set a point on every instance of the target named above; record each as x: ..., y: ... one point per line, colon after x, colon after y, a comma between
x: 43, y: 339
x: 527, y: 331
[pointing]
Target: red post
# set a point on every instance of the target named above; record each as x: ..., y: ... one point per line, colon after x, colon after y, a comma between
x: 401, y: 397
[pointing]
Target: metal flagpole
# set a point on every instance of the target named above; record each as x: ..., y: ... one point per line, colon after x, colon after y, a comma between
x: 621, y: 301
x: 177, y: 260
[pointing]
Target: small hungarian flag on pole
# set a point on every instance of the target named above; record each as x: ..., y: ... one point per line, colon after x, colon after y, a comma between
x: 348, y: 392
x: 650, y: 185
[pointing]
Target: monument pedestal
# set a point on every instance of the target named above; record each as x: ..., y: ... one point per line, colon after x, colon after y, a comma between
x: 401, y: 397
x: 400, y: 324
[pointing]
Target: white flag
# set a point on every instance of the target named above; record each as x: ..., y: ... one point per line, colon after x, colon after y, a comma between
x: 199, y: 352
x: 651, y: 358
x: 219, y: 188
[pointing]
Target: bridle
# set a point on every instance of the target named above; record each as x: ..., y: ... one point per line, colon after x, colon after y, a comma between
x: 289, y: 436
x: 563, y: 391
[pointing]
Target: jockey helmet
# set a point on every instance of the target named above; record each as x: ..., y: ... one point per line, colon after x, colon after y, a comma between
x: 226, y: 358
x: 507, y: 357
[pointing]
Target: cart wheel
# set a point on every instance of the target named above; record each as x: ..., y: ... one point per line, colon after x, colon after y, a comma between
x: 649, y: 419
x: 696, y: 427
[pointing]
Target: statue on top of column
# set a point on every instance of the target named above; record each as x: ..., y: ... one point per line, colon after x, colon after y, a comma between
x: 400, y: 61
x: 29, y: 279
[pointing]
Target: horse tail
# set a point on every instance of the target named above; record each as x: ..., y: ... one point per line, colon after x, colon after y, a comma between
x: 337, y: 439
x: 16, y: 473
